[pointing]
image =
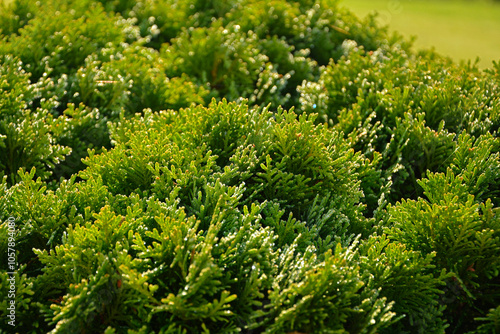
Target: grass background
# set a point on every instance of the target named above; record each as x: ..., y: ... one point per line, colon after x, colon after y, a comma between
x: 460, y: 29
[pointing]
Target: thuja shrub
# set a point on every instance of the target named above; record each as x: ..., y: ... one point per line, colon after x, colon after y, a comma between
x: 460, y: 224
x: 111, y: 82
x: 28, y: 134
x: 213, y: 254
x: 464, y: 236
x: 158, y: 20
x: 153, y: 256
x: 466, y: 242
x: 128, y: 79
x: 162, y: 203
x: 314, y: 25
x: 82, y: 128
x: 405, y: 107
x: 57, y: 42
x: 181, y: 151
x: 16, y: 14
x: 226, y: 254
x: 271, y: 79
x: 24, y: 294
x: 228, y: 60
x: 242, y: 166
x: 490, y: 323
x: 407, y: 278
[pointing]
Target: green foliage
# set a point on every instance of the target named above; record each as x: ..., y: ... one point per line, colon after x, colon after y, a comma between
x: 179, y: 152
x: 312, y: 25
x: 222, y: 57
x: 406, y: 278
x: 27, y: 135
x: 81, y: 128
x: 110, y: 297
x: 16, y: 14
x: 477, y: 163
x: 327, y: 297
x: 242, y: 166
x: 407, y: 108
x: 23, y: 296
x: 158, y: 20
x: 491, y: 323
x: 58, y: 43
x: 132, y: 79
x: 463, y: 234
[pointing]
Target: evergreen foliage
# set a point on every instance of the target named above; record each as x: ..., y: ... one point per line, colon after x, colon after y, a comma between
x: 242, y: 166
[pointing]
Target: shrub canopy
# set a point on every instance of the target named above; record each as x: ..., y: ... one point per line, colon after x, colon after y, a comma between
x: 242, y: 166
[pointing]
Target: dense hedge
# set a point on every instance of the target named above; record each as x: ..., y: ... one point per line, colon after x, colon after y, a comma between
x: 242, y: 166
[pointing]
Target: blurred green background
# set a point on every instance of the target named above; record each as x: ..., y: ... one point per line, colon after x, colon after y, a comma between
x: 459, y: 29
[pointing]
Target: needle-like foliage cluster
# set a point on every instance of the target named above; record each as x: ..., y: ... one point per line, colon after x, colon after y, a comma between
x: 242, y: 166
